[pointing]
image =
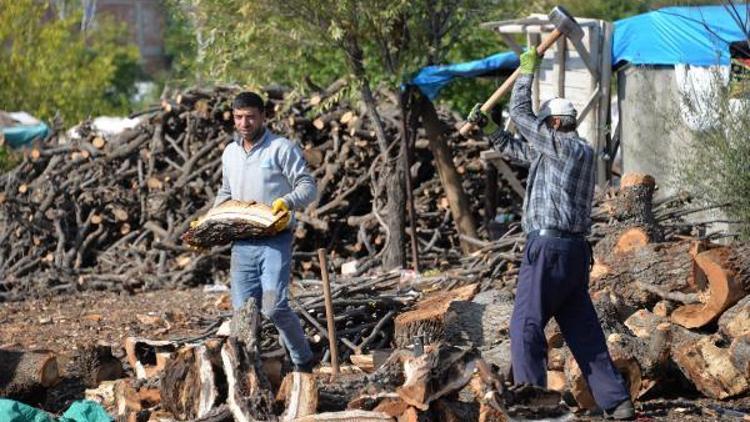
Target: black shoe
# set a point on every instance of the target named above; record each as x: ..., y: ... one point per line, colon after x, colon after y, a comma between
x: 306, y: 367
x: 622, y: 412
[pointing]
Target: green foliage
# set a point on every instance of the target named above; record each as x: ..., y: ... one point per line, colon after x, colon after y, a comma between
x: 8, y: 159
x: 714, y: 162
x: 49, y: 66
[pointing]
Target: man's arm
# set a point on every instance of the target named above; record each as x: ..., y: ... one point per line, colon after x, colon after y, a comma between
x: 304, y: 188
x: 513, y: 148
x: 540, y: 137
x: 224, y: 193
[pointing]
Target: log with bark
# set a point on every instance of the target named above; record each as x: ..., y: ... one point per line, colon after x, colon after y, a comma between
x: 25, y: 374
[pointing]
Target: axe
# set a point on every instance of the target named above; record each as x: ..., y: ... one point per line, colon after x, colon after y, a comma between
x: 566, y: 25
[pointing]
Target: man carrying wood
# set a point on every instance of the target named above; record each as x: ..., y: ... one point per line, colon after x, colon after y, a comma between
x: 264, y: 167
x: 554, y: 275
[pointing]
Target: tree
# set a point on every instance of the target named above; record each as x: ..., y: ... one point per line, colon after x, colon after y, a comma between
x: 49, y: 65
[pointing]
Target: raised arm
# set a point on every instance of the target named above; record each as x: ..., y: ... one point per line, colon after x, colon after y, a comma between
x: 513, y: 148
x: 539, y: 136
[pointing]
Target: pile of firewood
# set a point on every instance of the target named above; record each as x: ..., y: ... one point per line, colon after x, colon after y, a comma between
x: 98, y: 212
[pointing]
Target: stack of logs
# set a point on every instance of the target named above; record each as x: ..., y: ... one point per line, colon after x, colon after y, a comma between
x: 98, y: 212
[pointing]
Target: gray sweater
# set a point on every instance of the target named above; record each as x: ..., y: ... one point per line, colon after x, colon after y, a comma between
x: 274, y: 168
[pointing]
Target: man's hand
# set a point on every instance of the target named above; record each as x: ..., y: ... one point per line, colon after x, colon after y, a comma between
x: 280, y: 206
x: 530, y: 62
x: 477, y: 116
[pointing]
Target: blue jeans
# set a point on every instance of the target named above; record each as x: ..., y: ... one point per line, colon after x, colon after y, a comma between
x: 553, y: 282
x: 261, y: 270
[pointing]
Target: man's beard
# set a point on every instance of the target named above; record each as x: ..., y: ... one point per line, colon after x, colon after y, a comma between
x: 256, y: 134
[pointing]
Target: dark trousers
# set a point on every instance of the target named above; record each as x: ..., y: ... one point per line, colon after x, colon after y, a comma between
x: 553, y: 282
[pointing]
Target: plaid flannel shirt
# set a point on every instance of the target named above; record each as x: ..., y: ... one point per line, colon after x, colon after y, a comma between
x: 562, y: 172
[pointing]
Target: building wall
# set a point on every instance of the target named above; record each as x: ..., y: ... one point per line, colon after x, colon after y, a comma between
x: 650, y: 130
x: 145, y: 20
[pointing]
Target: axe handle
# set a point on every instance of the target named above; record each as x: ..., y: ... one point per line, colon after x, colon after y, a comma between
x: 505, y: 87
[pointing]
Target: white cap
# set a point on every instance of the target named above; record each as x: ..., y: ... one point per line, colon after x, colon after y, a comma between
x: 556, y: 107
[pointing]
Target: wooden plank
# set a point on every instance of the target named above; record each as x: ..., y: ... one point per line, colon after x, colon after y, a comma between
x: 589, y: 105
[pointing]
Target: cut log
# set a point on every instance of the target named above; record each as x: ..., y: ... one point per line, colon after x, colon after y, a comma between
x: 556, y: 381
x: 370, y: 362
x: 735, y: 322
x: 103, y: 394
x: 98, y: 142
x: 727, y: 273
x: 482, y: 322
x: 556, y: 358
x: 664, y: 308
x: 643, y: 277
x: 642, y: 323
x: 739, y: 354
x: 301, y: 397
x: 248, y: 391
x: 347, y: 416
x: 147, y: 357
x: 438, y: 372
x: 427, y: 320
x: 633, y: 224
x: 231, y: 220
x: 24, y: 373
x: 188, y: 385
x: 392, y: 406
x: 710, y: 368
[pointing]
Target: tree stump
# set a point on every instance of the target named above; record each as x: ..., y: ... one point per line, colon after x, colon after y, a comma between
x: 634, y: 224
x: 427, y: 320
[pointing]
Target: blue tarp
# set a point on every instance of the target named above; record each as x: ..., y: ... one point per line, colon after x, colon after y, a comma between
x: 17, y: 136
x: 432, y: 78
x: 698, y: 36
x: 690, y: 35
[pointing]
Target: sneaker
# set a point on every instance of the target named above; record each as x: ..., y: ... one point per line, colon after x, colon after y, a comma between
x: 306, y: 367
x: 622, y: 412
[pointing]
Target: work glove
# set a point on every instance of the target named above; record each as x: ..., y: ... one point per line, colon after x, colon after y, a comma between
x: 280, y: 206
x: 530, y: 62
x: 477, y: 116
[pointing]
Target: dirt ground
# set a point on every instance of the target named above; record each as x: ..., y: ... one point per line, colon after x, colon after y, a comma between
x: 63, y: 324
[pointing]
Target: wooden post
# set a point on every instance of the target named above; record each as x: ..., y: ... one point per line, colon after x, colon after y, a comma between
x: 329, y: 313
x: 604, y: 167
x: 406, y: 100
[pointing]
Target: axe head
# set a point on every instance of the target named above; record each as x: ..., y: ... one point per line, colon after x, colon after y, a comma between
x: 566, y: 23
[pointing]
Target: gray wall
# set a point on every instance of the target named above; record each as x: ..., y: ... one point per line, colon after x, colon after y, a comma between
x: 650, y: 128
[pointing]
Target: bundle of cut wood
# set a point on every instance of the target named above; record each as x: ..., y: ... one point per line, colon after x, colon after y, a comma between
x: 232, y: 220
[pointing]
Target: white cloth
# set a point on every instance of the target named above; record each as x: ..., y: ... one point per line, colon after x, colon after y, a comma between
x: 699, y: 89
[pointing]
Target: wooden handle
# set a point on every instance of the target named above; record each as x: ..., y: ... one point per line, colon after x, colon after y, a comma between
x: 329, y: 313
x: 550, y: 39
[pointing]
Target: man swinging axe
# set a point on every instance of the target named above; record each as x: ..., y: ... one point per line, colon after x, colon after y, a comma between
x: 554, y: 275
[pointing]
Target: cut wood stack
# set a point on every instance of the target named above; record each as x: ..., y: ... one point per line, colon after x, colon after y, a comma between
x: 107, y: 212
